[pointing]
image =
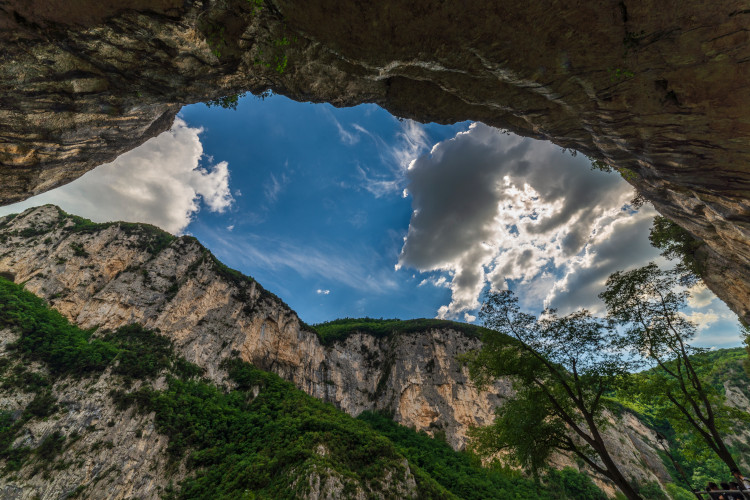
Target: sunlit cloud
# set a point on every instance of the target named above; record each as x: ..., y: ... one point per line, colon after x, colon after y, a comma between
x: 162, y: 182
x: 490, y: 208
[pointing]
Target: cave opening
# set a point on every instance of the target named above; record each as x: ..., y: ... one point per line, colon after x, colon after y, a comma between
x: 352, y: 212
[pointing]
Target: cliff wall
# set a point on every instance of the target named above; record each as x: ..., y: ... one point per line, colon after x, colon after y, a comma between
x: 656, y: 89
x: 109, y: 275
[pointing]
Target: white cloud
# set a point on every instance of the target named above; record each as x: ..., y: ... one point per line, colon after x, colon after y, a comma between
x: 230, y: 228
x: 322, y: 292
x: 379, y: 185
x: 491, y: 207
x: 347, y: 137
x: 700, y: 296
x: 273, y: 187
x: 161, y: 182
x: 702, y: 320
x: 618, y: 244
x: 397, y: 156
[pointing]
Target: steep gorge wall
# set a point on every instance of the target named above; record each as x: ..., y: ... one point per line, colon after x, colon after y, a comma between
x: 657, y: 89
x: 110, y: 275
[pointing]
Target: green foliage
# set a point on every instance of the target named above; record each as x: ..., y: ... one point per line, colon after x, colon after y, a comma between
x: 45, y: 335
x: 600, y: 166
x: 709, y: 470
x: 652, y: 491
x: 226, y: 102
x: 239, y: 443
x: 459, y: 473
x: 716, y: 368
x: 43, y: 405
x: 627, y: 174
x: 263, y: 438
x: 561, y: 368
x: 647, y: 304
x: 676, y: 243
x: 150, y: 238
x: 573, y: 484
x: 78, y: 250
x: 145, y: 354
x: 5, y: 221
x: 677, y: 493
x: 617, y: 74
x: 50, y: 447
x: 338, y: 330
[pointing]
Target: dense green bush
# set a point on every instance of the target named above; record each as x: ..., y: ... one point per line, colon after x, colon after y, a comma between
x: 677, y: 493
x: 569, y: 483
x: 715, y: 367
x: 458, y: 472
x: 262, y: 439
x: 340, y: 329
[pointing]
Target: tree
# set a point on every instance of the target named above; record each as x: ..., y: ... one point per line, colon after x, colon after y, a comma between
x: 646, y: 302
x: 676, y: 243
x: 561, y: 368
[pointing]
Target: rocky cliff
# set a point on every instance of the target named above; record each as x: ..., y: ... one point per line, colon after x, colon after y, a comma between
x: 656, y: 89
x: 109, y: 275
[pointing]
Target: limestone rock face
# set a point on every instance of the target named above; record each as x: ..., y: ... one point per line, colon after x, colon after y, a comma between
x: 108, y: 278
x: 114, y: 455
x: 658, y: 89
x: 109, y: 275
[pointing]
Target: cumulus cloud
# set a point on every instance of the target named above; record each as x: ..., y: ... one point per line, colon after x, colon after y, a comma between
x: 618, y: 244
x: 162, y: 182
x: 702, y: 320
x: 491, y: 207
x: 700, y: 296
x: 320, y: 291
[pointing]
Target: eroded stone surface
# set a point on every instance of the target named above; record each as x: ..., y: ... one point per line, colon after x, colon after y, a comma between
x: 657, y: 88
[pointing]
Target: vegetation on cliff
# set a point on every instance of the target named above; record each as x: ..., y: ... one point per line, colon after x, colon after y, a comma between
x: 720, y: 368
x: 339, y: 329
x: 262, y: 438
x: 676, y: 243
x: 561, y: 368
x: 568, y: 371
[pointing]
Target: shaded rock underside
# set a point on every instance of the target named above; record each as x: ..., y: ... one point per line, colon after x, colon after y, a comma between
x: 657, y: 88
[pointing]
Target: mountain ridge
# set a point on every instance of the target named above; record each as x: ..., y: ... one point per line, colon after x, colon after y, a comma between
x: 112, y: 275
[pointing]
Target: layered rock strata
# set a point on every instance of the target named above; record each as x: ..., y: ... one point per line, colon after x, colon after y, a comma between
x: 657, y: 89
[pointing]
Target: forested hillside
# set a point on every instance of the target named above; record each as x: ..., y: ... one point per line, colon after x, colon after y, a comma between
x: 255, y: 437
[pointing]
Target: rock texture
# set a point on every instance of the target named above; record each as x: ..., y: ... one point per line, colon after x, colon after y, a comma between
x: 103, y: 460
x: 108, y: 275
x: 111, y: 276
x: 657, y: 89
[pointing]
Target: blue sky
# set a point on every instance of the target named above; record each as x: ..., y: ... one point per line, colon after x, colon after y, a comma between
x: 352, y: 212
x: 316, y: 218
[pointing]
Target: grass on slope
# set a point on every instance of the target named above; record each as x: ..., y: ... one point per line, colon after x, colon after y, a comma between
x: 260, y: 440
x: 339, y: 329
